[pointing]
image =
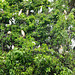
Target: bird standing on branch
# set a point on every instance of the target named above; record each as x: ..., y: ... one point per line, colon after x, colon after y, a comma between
x: 20, y: 12
x: 23, y: 33
x: 61, y: 49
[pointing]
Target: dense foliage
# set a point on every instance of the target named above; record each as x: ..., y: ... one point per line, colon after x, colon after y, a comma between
x: 31, y: 33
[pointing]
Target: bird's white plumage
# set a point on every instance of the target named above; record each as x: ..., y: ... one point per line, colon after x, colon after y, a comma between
x: 32, y: 11
x: 73, y: 43
x: 38, y: 46
x: 27, y: 12
x: 23, y: 33
x: 12, y: 46
x: 65, y: 12
x: 70, y: 27
x: 61, y: 49
x: 34, y: 42
x: 10, y: 22
x: 20, y: 12
x: 39, y: 11
x: 50, y: 0
x: 9, y: 32
x: 8, y: 46
x: 13, y: 20
x: 50, y: 9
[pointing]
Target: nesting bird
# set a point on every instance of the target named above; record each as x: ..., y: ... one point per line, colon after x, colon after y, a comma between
x: 20, y: 12
x: 61, y: 49
x: 23, y: 33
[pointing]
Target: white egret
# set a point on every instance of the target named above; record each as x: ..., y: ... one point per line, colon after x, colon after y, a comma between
x: 23, y: 33
x: 61, y: 49
x: 39, y: 11
x: 20, y: 12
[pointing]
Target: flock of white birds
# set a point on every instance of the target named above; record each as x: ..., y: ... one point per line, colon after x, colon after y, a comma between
x: 12, y: 21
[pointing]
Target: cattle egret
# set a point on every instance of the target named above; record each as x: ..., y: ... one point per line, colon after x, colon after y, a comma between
x: 27, y: 12
x: 65, y: 12
x: 66, y: 52
x: 34, y: 42
x: 20, y: 12
x: 50, y: 0
x: 3, y: 0
x: 12, y: 46
x: 51, y: 27
x: 23, y: 33
x: 6, y: 25
x: 63, y: 5
x: 61, y: 49
x: 70, y: 27
x: 10, y: 22
x: 8, y: 46
x: 13, y: 20
x: 65, y: 17
x: 31, y: 11
x: 9, y: 32
x: 39, y: 11
x: 50, y: 9
x: 73, y: 43
x: 38, y: 46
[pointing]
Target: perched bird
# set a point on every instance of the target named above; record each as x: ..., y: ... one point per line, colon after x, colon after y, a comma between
x: 61, y: 49
x: 33, y: 42
x: 50, y: 0
x: 32, y: 11
x: 50, y: 9
x: 20, y: 12
x: 39, y: 11
x: 3, y: 0
x: 9, y: 32
x: 13, y: 20
x: 23, y: 33
x: 8, y: 46
x: 66, y: 52
x: 12, y: 46
x: 1, y: 11
x: 10, y: 22
x: 65, y: 12
x: 27, y: 13
x: 38, y: 46
x: 73, y: 43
